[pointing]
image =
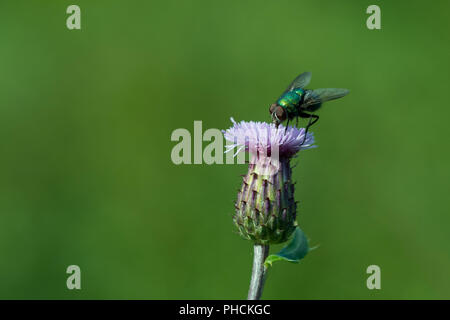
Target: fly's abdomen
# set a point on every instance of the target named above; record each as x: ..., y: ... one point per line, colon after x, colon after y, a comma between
x: 299, y: 91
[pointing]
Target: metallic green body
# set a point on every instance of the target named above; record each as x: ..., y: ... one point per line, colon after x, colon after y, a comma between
x: 291, y: 100
x: 298, y: 102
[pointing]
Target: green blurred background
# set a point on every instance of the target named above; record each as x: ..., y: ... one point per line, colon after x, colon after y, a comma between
x: 86, y: 176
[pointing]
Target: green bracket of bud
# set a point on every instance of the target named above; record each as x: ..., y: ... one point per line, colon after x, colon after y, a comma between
x: 296, y: 250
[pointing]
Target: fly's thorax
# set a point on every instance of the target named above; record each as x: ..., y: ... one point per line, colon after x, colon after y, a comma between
x: 290, y: 100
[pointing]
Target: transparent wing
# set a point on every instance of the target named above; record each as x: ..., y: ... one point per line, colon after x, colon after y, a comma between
x: 300, y: 82
x: 321, y: 95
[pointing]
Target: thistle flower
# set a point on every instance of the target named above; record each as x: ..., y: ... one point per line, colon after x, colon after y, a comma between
x: 265, y: 210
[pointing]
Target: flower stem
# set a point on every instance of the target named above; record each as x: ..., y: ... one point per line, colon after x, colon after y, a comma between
x: 258, y: 272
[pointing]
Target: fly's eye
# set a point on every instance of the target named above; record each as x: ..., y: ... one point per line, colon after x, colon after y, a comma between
x: 280, y: 113
x: 272, y: 108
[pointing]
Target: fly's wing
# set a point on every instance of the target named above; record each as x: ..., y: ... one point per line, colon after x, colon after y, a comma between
x: 300, y: 82
x: 317, y: 96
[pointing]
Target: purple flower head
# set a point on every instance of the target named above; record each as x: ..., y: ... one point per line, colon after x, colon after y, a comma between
x: 261, y: 138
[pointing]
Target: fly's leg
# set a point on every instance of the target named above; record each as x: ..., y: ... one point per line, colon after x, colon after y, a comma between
x: 310, y: 123
x: 285, y: 130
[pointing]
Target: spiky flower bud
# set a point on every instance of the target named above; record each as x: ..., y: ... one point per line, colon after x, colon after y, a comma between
x: 265, y: 210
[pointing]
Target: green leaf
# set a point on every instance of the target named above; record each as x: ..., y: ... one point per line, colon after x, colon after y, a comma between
x: 293, y: 252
